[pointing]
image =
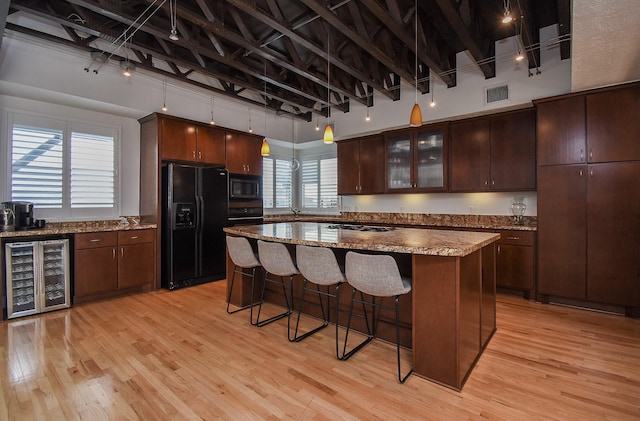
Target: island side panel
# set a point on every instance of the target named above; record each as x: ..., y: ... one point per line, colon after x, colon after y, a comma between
x: 469, y: 313
x: 435, y: 318
x: 488, y: 311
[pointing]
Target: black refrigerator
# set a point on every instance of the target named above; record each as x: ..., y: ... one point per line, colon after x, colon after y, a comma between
x: 194, y: 212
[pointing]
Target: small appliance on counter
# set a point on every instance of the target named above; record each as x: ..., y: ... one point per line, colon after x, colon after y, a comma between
x: 23, y: 214
x: 7, y: 219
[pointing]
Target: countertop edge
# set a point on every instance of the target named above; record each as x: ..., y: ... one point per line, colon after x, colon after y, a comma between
x: 73, y: 230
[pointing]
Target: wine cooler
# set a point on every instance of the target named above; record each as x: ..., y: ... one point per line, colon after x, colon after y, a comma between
x: 37, y: 277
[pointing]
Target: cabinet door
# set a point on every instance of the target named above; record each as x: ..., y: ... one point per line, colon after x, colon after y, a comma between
x: 613, y: 125
x: 178, y: 140
x: 562, y: 237
x: 95, y: 270
x: 613, y: 251
x: 348, y: 167
x: 398, y: 161
x: 135, y: 265
x: 211, y: 146
x: 513, y: 151
x: 243, y: 154
x: 561, y: 131
x: 371, y: 165
x: 430, y: 160
x: 470, y: 155
x: 515, y: 266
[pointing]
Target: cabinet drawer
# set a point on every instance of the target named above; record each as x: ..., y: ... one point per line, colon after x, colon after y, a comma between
x: 96, y: 239
x: 135, y: 237
x: 520, y: 238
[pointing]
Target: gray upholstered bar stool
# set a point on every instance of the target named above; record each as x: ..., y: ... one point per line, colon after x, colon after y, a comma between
x: 243, y: 257
x: 276, y: 260
x: 319, y: 266
x: 378, y: 276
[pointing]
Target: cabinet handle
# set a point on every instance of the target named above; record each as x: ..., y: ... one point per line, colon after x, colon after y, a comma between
x: 513, y: 238
x: 486, y: 182
x: 133, y: 237
x: 95, y: 240
x: 591, y: 172
x: 113, y: 252
x: 498, y: 249
x: 580, y: 173
x: 193, y: 153
x: 199, y: 155
x: 121, y: 251
x: 590, y: 154
x: 493, y: 182
x: 581, y: 154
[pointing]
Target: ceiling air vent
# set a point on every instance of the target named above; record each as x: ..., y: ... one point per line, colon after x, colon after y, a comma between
x: 496, y: 93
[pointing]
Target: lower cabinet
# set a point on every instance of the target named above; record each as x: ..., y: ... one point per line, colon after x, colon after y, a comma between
x: 515, y: 261
x: 111, y: 263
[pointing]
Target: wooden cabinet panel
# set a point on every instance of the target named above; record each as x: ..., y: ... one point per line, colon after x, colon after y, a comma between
x: 243, y: 153
x: 513, y: 151
x: 613, y: 227
x: 135, y: 236
x: 488, y: 305
x: 95, y: 240
x: 561, y: 136
x: 515, y: 267
x: 135, y: 265
x: 211, y: 149
x: 95, y: 271
x: 178, y: 140
x: 348, y: 167
x: 613, y: 125
x: 371, y: 166
x: 562, y: 237
x: 470, y: 155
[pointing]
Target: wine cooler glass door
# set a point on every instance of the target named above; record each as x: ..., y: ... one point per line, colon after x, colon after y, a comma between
x: 22, y: 280
x: 55, y: 275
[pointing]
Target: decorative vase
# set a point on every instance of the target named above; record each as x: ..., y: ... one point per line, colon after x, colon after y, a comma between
x: 517, y: 209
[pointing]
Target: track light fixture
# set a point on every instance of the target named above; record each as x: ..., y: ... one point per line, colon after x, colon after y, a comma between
x: 328, y: 130
x: 415, y: 119
x: 173, y: 34
x: 367, y: 117
x: 506, y: 16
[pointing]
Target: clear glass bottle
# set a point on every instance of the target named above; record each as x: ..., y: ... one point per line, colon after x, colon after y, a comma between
x: 517, y: 209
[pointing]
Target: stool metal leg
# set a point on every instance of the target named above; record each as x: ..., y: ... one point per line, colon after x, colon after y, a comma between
x: 400, y: 378
x: 287, y: 312
x: 253, y: 303
x: 325, y: 321
x: 370, y: 334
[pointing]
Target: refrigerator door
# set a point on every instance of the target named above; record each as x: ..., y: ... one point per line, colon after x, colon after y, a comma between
x: 179, y: 233
x: 54, y: 291
x: 213, y: 184
x: 22, y: 278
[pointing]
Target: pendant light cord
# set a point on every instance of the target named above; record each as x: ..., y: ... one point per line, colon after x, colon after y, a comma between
x: 416, y: 73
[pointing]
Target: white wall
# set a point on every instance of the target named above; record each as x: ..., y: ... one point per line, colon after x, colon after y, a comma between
x: 51, y: 79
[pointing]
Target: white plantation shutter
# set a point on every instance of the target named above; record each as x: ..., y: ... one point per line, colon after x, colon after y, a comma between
x: 283, y: 184
x: 37, y: 166
x: 319, y: 180
x: 92, y: 171
x: 267, y: 183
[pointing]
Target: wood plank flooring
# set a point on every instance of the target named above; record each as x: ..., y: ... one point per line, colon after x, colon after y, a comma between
x: 178, y: 355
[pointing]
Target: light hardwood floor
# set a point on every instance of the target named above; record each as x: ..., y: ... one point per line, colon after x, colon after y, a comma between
x: 178, y: 355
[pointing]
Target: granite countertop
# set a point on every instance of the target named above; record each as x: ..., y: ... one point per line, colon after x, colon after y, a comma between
x: 398, y: 240
x: 59, y: 228
x: 485, y: 222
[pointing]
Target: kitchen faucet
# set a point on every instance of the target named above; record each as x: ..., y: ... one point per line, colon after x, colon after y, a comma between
x: 295, y: 211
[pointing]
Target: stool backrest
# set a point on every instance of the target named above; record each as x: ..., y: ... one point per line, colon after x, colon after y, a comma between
x: 318, y: 265
x: 375, y: 274
x: 275, y: 258
x: 241, y: 253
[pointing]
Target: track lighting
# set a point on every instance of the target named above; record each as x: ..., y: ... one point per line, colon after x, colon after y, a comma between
x: 173, y: 34
x: 506, y: 16
x: 127, y: 67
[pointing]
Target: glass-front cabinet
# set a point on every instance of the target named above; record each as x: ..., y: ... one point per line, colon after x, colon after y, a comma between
x: 416, y: 160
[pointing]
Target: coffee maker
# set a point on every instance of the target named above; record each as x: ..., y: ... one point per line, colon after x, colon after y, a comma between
x: 23, y: 214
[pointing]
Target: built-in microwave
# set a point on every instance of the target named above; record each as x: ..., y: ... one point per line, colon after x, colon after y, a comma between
x: 245, y: 187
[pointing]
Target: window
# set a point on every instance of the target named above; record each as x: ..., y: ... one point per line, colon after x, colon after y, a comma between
x: 277, y: 184
x: 319, y: 181
x: 66, y: 169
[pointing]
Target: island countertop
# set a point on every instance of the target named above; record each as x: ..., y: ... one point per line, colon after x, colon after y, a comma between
x: 398, y: 240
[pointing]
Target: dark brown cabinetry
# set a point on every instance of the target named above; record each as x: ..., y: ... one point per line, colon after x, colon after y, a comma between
x: 360, y: 164
x: 496, y: 153
x: 589, y: 214
x: 183, y: 140
x: 416, y: 159
x: 111, y: 263
x: 515, y: 261
x: 243, y: 153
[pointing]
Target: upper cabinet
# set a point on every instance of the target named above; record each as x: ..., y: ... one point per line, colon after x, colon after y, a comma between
x: 182, y: 140
x: 243, y: 153
x: 416, y: 159
x: 495, y: 153
x: 561, y: 131
x: 360, y: 163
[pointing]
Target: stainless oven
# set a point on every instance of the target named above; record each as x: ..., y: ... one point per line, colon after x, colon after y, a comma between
x: 245, y: 187
x: 245, y: 215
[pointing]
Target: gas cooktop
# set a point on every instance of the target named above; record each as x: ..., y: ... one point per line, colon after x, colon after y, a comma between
x: 357, y: 227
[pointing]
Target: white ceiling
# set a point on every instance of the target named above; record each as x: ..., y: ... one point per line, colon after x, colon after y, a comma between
x: 605, y: 47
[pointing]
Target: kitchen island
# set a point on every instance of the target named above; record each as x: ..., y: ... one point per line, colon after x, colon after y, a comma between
x: 452, y: 302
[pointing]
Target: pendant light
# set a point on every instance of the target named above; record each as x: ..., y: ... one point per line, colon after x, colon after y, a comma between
x: 433, y: 87
x: 164, y: 95
x: 212, y: 122
x: 294, y: 163
x: 173, y: 10
x: 328, y: 130
x: 415, y: 119
x: 265, y: 150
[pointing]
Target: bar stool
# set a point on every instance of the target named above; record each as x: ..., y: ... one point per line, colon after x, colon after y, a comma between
x: 377, y: 276
x: 319, y: 266
x: 243, y: 257
x: 276, y: 260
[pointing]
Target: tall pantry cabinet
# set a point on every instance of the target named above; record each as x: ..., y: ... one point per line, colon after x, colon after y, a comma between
x: 588, y: 197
